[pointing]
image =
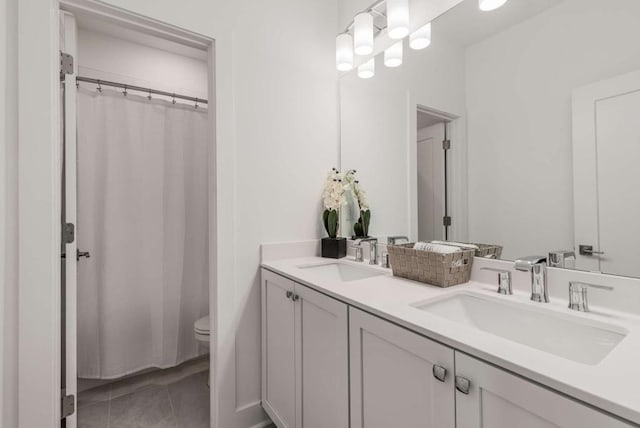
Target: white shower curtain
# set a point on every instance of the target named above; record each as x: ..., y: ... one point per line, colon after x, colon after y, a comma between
x: 143, y: 216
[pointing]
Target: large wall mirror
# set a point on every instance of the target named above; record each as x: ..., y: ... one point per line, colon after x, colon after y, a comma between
x: 540, y: 101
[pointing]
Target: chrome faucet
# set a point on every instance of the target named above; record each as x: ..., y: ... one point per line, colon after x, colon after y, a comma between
x: 537, y: 267
x: 578, y: 295
x: 373, y: 248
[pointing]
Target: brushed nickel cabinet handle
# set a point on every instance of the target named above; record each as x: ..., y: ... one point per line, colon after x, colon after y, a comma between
x: 439, y: 373
x: 463, y: 385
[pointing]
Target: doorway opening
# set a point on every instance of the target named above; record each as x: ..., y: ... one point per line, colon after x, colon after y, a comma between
x: 434, y: 219
x: 137, y: 194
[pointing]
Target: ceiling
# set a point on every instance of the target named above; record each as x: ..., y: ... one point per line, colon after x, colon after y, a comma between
x: 466, y: 24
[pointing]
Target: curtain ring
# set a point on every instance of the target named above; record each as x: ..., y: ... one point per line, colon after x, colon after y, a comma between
x: 125, y: 91
x: 99, y: 87
x: 173, y: 100
x: 149, y: 96
x: 196, y: 106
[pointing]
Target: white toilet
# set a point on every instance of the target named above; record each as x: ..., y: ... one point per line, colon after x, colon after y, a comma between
x: 202, y: 330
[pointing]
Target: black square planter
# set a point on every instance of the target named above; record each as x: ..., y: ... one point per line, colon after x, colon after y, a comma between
x: 334, y: 248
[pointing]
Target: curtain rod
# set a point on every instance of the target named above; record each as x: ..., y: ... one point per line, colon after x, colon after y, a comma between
x: 124, y: 86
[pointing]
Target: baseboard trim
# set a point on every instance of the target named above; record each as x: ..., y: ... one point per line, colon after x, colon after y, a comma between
x: 262, y: 424
x: 248, y: 406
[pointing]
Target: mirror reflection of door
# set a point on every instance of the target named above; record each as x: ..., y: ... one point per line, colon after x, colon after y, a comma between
x: 607, y: 156
x: 431, y: 176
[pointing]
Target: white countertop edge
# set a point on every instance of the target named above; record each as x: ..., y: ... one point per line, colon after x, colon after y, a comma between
x: 599, y: 401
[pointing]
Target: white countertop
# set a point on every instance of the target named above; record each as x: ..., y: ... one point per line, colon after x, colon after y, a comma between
x: 612, y: 385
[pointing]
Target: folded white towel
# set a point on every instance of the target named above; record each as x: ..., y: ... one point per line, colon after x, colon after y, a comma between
x: 457, y: 244
x: 435, y: 248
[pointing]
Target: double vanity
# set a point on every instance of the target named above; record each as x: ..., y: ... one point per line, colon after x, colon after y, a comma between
x: 346, y: 344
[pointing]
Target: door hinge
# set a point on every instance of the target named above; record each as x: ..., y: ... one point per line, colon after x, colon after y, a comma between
x: 68, y: 233
x: 446, y: 220
x: 68, y: 405
x: 446, y: 144
x: 66, y: 64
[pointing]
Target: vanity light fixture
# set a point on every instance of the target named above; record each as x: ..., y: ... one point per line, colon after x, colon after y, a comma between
x: 421, y: 38
x: 393, y: 55
x: 398, y: 18
x: 363, y: 33
x: 368, y: 69
x: 488, y: 5
x: 344, y: 52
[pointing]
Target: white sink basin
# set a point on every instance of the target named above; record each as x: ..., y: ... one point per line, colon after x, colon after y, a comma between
x: 341, y: 272
x: 577, y: 339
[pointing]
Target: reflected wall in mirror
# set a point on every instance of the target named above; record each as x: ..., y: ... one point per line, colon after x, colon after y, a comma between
x: 541, y: 100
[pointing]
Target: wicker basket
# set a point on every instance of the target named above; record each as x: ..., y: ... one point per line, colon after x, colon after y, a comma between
x: 442, y: 270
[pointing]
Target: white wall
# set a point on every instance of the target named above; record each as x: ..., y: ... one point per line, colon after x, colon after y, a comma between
x: 275, y: 80
x: 286, y: 86
x: 519, y: 85
x: 378, y: 127
x: 103, y: 56
x: 8, y: 215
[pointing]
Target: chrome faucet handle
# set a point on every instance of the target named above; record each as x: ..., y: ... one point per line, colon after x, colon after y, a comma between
x: 385, y: 259
x: 537, y: 267
x: 578, y: 295
x: 358, y: 256
x: 504, y: 280
x: 373, y: 251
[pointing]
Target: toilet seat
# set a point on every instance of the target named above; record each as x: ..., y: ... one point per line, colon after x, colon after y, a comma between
x: 202, y: 325
x: 202, y: 329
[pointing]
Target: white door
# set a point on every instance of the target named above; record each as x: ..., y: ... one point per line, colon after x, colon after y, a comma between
x: 498, y: 399
x: 278, y: 349
x: 393, y: 377
x: 606, y: 145
x: 68, y: 45
x: 322, y: 360
x: 431, y: 182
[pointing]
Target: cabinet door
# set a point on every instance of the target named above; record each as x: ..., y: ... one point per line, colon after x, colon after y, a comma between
x: 498, y: 399
x: 278, y: 350
x: 322, y: 361
x: 392, y: 379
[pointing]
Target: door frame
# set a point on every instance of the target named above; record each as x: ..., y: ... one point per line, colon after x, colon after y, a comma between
x: 69, y: 275
x: 456, y: 170
x: 39, y: 199
x: 585, y: 162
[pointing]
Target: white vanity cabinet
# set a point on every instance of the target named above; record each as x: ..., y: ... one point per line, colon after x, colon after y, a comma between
x: 305, y: 368
x: 328, y: 365
x: 394, y: 377
x: 499, y: 399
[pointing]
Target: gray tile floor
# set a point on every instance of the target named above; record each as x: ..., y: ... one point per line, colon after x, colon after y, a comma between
x: 173, y: 398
